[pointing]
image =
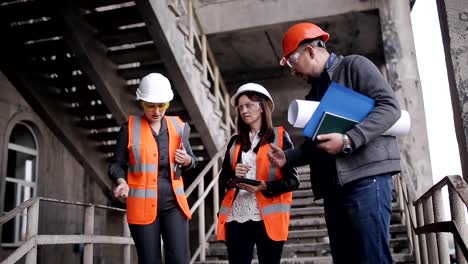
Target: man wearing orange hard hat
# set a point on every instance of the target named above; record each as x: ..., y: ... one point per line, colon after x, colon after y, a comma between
x: 353, y: 171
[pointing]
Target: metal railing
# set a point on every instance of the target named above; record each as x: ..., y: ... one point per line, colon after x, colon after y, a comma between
x: 196, y: 42
x: 425, y: 223
x: 34, y: 239
x: 199, y: 204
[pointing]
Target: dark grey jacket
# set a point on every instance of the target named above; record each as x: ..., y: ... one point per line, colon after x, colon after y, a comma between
x: 374, y: 154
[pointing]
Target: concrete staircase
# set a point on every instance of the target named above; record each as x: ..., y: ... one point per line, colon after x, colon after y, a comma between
x: 308, y: 237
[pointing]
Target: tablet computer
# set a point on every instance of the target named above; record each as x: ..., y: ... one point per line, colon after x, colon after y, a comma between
x: 236, y: 180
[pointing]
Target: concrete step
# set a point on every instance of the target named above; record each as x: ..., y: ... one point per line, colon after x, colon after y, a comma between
x: 397, y: 258
x: 308, y: 260
x: 304, y: 185
x: 306, y: 212
x: 298, y: 250
x: 304, y: 177
x: 309, y: 223
x: 303, y: 193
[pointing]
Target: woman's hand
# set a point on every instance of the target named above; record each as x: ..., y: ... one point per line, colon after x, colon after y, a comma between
x: 252, y: 188
x: 242, y: 169
x: 122, y: 189
x: 182, y: 158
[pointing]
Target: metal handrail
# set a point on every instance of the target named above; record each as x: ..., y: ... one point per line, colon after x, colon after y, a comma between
x: 424, y: 217
x: 197, y: 36
x: 29, y: 247
x: 199, y: 204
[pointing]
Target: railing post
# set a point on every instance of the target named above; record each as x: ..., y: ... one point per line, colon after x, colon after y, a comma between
x: 416, y: 251
x: 422, y: 237
x: 458, y: 216
x: 126, y: 233
x: 401, y: 199
x: 201, y: 221
x: 442, y: 244
x: 190, y: 23
x: 215, y: 192
x: 227, y: 114
x: 89, y: 230
x: 204, y: 56
x: 430, y: 238
x: 32, y: 231
x: 216, y: 86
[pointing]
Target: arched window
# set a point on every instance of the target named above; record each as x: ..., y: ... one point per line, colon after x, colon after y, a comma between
x: 20, y: 180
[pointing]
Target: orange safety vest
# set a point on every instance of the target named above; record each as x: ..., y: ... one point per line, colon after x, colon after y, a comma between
x: 142, y: 175
x: 275, y: 211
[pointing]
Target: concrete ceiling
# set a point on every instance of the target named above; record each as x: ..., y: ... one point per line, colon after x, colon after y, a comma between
x: 253, y: 54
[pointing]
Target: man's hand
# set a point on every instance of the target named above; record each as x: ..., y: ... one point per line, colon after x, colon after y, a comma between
x: 277, y: 156
x: 331, y: 143
x: 122, y: 189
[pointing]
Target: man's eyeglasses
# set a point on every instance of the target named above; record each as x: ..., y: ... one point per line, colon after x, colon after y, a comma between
x: 292, y: 60
x: 248, y: 106
x: 152, y: 107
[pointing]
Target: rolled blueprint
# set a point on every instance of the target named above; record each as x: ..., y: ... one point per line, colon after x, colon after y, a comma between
x: 401, y: 127
x: 300, y: 112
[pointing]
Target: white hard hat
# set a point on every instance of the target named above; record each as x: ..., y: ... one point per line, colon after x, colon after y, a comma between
x: 252, y: 87
x: 155, y: 88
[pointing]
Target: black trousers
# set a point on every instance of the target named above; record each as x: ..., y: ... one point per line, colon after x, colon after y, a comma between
x: 241, y: 238
x: 170, y: 224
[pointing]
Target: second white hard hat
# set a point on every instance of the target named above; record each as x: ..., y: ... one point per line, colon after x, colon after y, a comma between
x: 252, y: 87
x: 155, y: 88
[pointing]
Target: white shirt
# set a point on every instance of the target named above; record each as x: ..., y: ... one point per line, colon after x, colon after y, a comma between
x: 245, y: 206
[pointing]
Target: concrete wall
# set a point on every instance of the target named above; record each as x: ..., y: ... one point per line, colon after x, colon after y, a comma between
x: 60, y: 176
x: 453, y: 16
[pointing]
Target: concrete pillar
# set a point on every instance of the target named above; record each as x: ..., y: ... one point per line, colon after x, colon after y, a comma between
x: 402, y: 73
x: 453, y: 19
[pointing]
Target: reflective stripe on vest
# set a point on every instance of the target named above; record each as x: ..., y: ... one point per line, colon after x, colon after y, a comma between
x: 136, y: 138
x: 136, y: 168
x: 273, y: 168
x: 276, y: 208
x: 176, y: 125
x: 142, y: 193
x: 223, y: 210
x: 179, y: 191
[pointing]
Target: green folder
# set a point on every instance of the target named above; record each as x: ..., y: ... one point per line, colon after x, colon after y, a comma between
x: 333, y: 123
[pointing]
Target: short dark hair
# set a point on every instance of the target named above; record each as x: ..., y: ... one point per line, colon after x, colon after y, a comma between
x: 317, y: 42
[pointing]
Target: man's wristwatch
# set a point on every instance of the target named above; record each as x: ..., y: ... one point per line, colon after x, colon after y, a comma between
x: 347, y: 148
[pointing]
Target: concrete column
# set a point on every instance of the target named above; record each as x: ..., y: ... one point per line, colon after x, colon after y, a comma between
x: 402, y: 73
x: 453, y: 18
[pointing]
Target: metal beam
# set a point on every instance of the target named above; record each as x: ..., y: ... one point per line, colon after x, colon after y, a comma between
x: 93, y: 60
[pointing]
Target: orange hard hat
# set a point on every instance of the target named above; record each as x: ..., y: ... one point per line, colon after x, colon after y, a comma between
x: 298, y: 33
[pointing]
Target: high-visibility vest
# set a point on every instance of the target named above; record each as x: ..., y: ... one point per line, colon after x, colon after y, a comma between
x: 142, y: 200
x: 275, y: 211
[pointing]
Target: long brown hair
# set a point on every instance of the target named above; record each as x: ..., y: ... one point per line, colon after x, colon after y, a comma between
x: 266, y: 130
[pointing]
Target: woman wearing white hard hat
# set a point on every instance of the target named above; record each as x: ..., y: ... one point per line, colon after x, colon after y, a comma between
x: 152, y: 151
x: 255, y: 207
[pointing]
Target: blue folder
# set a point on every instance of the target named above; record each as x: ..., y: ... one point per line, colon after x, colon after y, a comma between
x: 342, y: 101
